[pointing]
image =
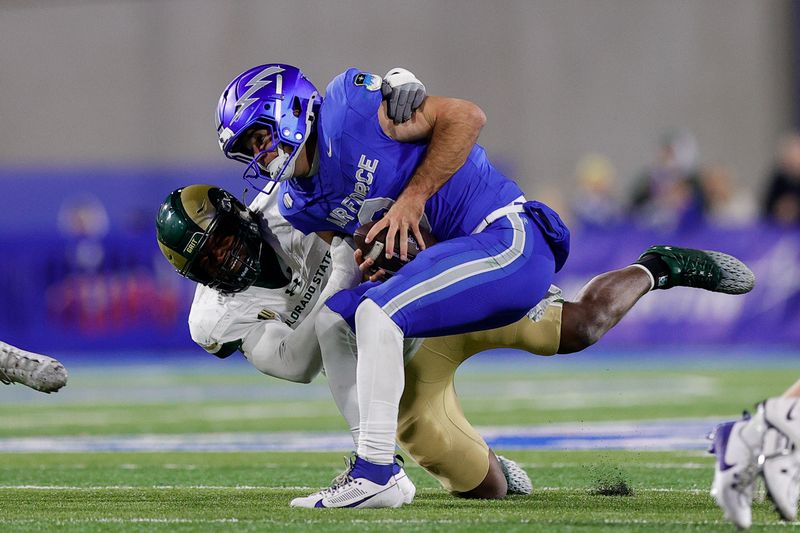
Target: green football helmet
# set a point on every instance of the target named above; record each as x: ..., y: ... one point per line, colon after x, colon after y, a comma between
x: 210, y: 237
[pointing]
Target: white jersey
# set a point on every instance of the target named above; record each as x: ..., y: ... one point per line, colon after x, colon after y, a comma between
x: 217, y: 318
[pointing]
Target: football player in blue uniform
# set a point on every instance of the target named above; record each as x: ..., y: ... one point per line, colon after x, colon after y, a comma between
x: 340, y: 162
x: 497, y: 252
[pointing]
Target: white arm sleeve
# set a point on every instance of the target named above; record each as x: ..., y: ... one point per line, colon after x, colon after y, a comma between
x: 277, y: 350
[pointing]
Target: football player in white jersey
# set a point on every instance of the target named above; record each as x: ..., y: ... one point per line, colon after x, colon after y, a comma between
x: 35, y: 370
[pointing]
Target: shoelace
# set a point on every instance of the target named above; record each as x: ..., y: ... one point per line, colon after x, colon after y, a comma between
x: 342, y: 479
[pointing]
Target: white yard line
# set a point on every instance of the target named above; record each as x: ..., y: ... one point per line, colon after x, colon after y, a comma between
x: 93, y: 488
x: 148, y: 487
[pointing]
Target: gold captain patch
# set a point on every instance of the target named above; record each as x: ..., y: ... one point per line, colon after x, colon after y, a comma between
x: 266, y: 314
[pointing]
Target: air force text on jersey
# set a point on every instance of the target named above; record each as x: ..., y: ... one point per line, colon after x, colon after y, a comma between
x: 365, y: 173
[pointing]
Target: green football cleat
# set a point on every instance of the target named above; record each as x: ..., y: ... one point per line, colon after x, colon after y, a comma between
x: 702, y: 269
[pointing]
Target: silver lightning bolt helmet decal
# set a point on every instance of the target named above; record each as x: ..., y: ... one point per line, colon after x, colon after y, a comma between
x: 257, y: 82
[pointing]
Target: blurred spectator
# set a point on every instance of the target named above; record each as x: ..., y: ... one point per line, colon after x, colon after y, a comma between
x: 83, y: 220
x: 782, y: 203
x: 725, y: 205
x: 667, y: 194
x: 595, y: 205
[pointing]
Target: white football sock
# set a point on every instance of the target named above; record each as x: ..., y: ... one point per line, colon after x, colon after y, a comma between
x: 380, y: 380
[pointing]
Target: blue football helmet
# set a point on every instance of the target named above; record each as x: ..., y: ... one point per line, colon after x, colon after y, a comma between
x: 278, y: 98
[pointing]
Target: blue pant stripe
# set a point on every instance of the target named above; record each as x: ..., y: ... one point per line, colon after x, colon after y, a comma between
x: 461, y: 272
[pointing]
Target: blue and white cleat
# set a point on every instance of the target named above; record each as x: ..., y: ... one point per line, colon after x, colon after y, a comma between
x: 407, y: 487
x: 403, y: 481
x: 781, y: 470
x: 781, y: 455
x: 737, y: 446
x: 364, y: 485
x: 516, y: 478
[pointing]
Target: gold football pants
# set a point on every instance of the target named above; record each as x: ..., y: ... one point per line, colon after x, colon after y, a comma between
x: 432, y: 428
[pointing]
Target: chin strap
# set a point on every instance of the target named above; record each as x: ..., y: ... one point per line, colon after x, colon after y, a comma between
x: 314, y: 163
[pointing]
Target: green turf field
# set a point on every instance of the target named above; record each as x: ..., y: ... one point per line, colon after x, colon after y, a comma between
x: 249, y: 491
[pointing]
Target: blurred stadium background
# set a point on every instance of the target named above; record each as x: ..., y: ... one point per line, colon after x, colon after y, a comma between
x: 642, y: 121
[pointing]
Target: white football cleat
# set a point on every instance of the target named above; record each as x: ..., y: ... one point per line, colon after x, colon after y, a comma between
x: 407, y: 487
x: 737, y: 446
x: 355, y: 489
x: 781, y: 455
x: 516, y: 478
x: 781, y: 470
x: 37, y: 371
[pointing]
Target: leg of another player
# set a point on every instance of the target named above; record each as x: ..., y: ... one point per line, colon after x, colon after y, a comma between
x: 493, y: 487
x: 35, y: 370
x: 432, y: 427
x: 766, y: 443
x: 607, y: 298
x: 781, y: 452
x: 600, y: 305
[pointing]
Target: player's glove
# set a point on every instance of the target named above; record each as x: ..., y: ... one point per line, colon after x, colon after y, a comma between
x: 403, y: 92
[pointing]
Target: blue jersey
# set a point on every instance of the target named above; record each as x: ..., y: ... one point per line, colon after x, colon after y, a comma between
x: 362, y: 171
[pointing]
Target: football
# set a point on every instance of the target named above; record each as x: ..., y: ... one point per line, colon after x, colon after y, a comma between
x: 375, y: 249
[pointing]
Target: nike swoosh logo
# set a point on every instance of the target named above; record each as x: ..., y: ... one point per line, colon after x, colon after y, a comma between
x: 330, y: 149
x: 321, y: 502
x: 789, y: 415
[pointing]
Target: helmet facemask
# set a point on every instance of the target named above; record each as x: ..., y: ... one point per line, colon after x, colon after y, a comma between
x: 228, y: 257
x: 282, y: 167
